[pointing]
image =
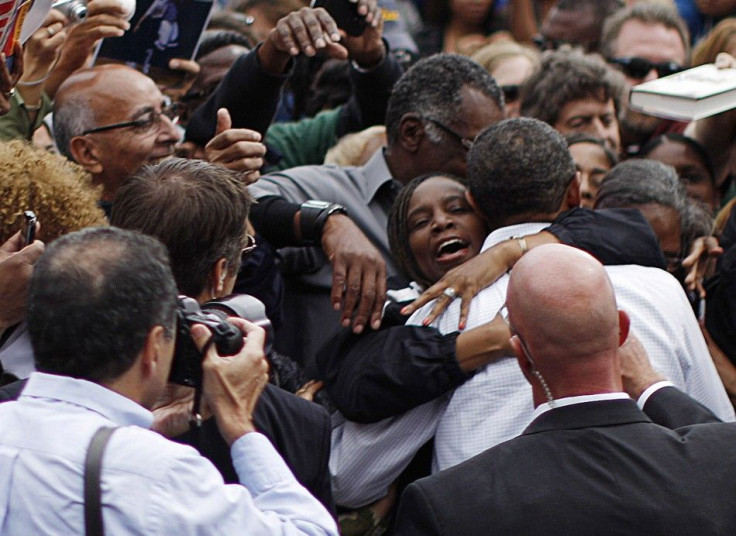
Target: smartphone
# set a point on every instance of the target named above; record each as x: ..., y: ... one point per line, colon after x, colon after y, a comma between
x: 345, y: 14
x: 29, y: 228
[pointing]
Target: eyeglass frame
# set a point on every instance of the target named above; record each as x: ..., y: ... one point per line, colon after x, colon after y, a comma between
x: 247, y: 250
x: 167, y: 106
x: 625, y: 62
x: 466, y: 142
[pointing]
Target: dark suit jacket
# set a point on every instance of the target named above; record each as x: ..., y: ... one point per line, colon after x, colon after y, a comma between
x: 600, y: 468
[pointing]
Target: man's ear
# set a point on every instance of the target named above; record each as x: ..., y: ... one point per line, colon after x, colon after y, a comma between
x: 524, y: 364
x: 218, y: 274
x: 474, y: 204
x: 411, y: 132
x: 153, y: 351
x: 84, y: 151
x: 624, y: 324
x: 572, y: 194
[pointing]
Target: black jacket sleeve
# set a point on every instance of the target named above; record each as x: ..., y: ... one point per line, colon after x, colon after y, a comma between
x: 248, y: 91
x: 672, y: 408
x: 371, y: 92
x: 273, y: 217
x: 387, y: 372
x: 613, y: 236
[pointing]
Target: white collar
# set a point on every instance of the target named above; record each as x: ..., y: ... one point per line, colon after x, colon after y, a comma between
x: 582, y: 399
x: 86, y: 394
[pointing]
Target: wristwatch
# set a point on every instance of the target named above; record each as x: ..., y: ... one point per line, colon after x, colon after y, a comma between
x: 312, y: 218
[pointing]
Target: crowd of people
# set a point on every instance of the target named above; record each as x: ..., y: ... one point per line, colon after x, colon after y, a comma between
x: 434, y: 278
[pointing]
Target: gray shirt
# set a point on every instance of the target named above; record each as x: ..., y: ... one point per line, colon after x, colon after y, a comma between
x: 367, y: 193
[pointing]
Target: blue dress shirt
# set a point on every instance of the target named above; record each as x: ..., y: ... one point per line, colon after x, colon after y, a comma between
x: 150, y: 485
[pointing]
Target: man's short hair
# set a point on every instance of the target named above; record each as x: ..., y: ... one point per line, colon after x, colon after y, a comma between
x: 432, y: 88
x: 519, y: 169
x: 72, y: 116
x: 648, y: 13
x: 213, y: 40
x: 640, y: 182
x: 565, y: 76
x: 197, y: 209
x: 93, y: 298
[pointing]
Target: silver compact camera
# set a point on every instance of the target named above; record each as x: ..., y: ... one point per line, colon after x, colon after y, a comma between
x: 74, y: 10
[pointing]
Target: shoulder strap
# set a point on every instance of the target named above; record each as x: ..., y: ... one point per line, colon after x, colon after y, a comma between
x: 93, y: 525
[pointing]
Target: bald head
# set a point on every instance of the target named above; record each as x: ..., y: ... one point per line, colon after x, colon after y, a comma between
x: 85, y: 97
x: 111, y: 120
x: 562, y: 305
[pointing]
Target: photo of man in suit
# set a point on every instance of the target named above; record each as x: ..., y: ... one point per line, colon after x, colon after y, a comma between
x: 590, y: 462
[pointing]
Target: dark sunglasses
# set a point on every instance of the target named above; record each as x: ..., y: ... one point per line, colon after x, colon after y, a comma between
x: 635, y: 67
x: 510, y: 92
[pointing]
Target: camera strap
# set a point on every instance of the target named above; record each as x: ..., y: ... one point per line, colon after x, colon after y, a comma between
x: 93, y: 524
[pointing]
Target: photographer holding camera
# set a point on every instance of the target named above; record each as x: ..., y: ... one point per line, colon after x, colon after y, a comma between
x: 101, y: 314
x: 199, y: 211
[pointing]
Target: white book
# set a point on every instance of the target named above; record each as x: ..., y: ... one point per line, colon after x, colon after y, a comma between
x: 686, y: 96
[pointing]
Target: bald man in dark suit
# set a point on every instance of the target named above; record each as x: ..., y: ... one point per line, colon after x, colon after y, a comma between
x: 590, y: 462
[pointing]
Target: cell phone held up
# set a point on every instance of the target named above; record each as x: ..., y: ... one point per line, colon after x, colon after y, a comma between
x: 29, y: 227
x: 345, y: 14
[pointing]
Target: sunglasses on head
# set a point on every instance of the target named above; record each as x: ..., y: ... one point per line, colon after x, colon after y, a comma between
x: 635, y: 67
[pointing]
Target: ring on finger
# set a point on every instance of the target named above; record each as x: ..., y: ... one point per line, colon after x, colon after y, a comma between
x: 450, y: 293
x: 50, y: 31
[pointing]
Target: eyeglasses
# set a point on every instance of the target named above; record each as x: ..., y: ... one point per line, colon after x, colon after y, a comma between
x: 635, y: 67
x: 510, y: 92
x: 248, y: 249
x: 464, y: 141
x: 147, y: 122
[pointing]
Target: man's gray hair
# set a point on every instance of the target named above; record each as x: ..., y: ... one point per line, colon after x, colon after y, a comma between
x: 640, y: 182
x: 72, y: 116
x: 431, y: 88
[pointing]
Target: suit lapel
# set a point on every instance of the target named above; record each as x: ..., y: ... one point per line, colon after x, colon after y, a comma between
x: 588, y: 414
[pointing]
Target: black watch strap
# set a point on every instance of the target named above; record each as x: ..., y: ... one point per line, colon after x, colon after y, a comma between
x: 312, y: 219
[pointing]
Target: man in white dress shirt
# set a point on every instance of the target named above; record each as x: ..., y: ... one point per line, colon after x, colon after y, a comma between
x: 102, y: 318
x: 520, y: 176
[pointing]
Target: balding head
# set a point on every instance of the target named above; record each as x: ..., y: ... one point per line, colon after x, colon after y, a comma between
x: 109, y: 120
x: 562, y: 305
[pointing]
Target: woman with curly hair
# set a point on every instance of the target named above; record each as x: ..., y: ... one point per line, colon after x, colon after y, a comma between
x: 58, y: 191
x: 61, y: 195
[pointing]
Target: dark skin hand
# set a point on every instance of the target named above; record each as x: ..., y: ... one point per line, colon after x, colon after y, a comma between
x: 470, y: 278
x: 358, y: 273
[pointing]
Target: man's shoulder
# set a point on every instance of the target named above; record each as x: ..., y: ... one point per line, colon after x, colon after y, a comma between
x: 312, y: 182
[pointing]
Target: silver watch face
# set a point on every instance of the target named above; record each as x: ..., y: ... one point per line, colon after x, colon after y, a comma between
x: 317, y: 204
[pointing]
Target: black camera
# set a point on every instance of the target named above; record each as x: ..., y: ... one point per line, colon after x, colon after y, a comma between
x: 186, y: 368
